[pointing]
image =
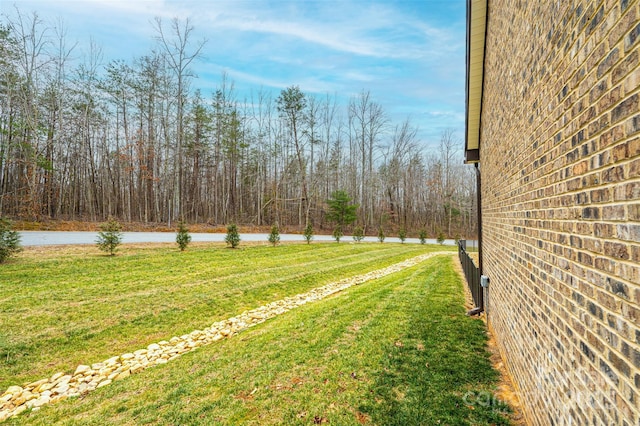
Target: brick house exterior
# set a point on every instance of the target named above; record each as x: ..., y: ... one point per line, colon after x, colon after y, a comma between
x: 553, y: 112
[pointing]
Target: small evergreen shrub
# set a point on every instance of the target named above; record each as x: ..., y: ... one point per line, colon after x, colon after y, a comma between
x: 182, y: 237
x: 308, y: 233
x: 341, y: 211
x: 110, y: 236
x: 423, y: 236
x: 402, y: 235
x: 274, y: 236
x: 337, y: 233
x: 440, y: 238
x: 9, y: 241
x: 233, y: 237
x: 381, y: 235
x: 358, y: 234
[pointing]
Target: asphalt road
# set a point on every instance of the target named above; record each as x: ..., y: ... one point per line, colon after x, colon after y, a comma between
x: 46, y: 238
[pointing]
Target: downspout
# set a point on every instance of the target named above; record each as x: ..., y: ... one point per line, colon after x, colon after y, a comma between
x: 479, y: 204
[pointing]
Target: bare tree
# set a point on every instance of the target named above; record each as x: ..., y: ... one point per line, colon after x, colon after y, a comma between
x: 395, y: 167
x: 368, y: 121
x: 292, y: 106
x: 176, y: 46
x: 448, y: 150
x: 31, y: 37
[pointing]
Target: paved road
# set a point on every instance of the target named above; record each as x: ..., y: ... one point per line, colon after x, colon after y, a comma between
x: 45, y: 238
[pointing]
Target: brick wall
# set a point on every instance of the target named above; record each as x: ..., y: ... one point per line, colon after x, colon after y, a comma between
x: 560, y: 164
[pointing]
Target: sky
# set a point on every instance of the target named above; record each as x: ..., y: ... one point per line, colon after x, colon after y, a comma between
x: 409, y: 54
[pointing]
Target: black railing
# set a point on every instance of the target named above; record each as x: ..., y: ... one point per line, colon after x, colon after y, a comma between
x: 472, y: 273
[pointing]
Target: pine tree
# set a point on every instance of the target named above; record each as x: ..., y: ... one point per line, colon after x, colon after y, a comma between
x: 423, y: 236
x: 110, y: 236
x: 233, y: 237
x: 358, y: 234
x: 381, y: 236
x: 9, y: 241
x: 402, y: 235
x: 337, y: 233
x: 440, y: 238
x: 308, y: 233
x: 340, y: 211
x: 183, y: 238
x: 274, y: 236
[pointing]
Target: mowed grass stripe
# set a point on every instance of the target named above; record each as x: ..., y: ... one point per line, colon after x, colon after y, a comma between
x: 397, y: 350
x: 82, y: 309
x: 146, y: 286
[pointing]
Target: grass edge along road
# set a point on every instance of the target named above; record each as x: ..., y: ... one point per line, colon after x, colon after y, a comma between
x: 353, y: 358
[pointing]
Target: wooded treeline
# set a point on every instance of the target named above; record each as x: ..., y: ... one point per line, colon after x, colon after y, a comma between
x: 84, y: 139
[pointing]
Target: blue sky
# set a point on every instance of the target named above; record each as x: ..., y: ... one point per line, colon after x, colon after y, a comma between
x: 409, y: 53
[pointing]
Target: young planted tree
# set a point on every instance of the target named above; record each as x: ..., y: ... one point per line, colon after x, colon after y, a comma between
x: 9, y: 241
x: 358, y: 234
x: 233, y: 237
x: 423, y: 236
x: 440, y: 237
x: 183, y: 238
x: 381, y: 235
x: 402, y: 235
x: 110, y: 236
x: 308, y: 233
x: 337, y: 233
x: 274, y: 236
x: 341, y: 211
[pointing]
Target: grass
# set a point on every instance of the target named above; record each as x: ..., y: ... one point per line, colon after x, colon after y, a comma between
x: 59, y: 309
x: 397, y: 350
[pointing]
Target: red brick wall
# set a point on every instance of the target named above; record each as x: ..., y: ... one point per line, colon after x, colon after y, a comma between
x: 560, y: 164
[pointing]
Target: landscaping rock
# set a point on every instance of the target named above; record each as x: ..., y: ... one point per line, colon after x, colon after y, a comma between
x: 12, y: 390
x: 123, y: 375
x: 104, y: 383
x: 82, y: 369
x: 19, y: 410
x: 61, y: 389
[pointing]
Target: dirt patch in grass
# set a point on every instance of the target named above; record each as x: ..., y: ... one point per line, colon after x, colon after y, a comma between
x: 506, y: 389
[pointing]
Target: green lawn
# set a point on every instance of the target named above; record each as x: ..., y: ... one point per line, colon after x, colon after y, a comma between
x: 397, y: 350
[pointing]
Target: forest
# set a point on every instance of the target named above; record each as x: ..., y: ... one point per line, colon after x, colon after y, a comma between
x: 82, y: 138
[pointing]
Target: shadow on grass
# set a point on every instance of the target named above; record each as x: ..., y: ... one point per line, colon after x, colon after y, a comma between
x: 438, y: 371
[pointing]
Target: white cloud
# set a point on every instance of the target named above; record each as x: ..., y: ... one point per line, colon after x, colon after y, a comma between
x: 356, y: 29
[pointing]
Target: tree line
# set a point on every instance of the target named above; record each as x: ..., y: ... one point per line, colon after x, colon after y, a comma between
x: 88, y: 139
